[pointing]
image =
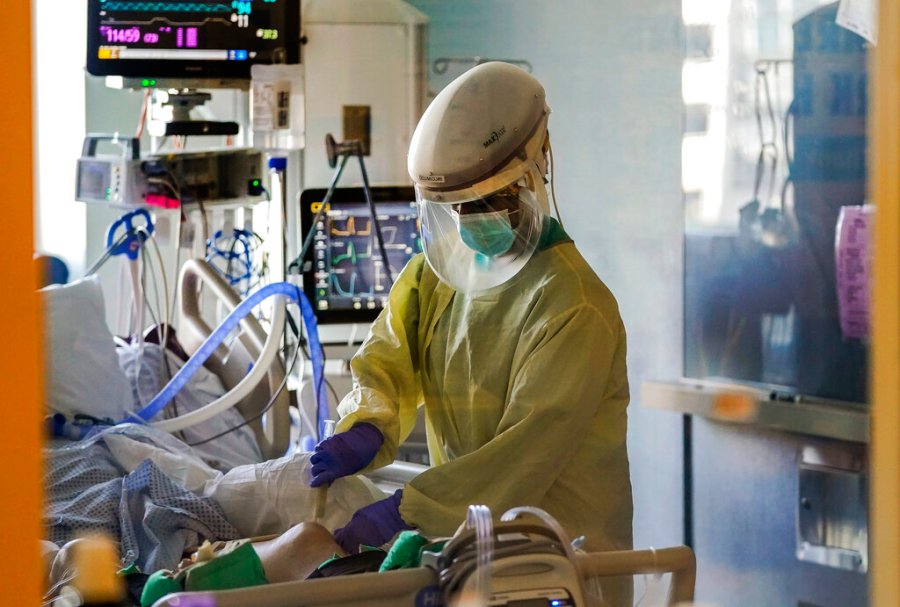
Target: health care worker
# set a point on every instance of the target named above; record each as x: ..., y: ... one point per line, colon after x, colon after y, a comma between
x: 501, y: 331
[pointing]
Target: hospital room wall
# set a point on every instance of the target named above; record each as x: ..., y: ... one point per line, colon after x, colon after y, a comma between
x: 612, y: 71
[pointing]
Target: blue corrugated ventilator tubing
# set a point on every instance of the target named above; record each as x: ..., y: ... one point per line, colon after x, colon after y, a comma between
x: 178, y: 381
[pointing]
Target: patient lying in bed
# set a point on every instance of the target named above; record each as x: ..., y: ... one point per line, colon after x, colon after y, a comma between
x: 90, y: 372
x: 145, y: 488
x: 155, y: 496
x: 291, y: 556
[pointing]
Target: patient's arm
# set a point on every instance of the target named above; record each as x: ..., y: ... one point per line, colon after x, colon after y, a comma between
x: 297, y: 552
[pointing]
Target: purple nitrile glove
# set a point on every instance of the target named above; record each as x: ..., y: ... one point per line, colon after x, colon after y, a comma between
x: 372, y: 525
x: 345, y: 453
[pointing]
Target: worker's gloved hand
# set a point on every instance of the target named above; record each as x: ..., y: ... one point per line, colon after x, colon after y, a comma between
x: 372, y: 525
x: 345, y: 453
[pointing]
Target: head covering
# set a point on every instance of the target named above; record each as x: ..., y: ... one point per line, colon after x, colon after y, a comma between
x: 477, y: 159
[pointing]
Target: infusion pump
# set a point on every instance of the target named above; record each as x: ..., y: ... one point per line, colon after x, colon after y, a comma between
x: 127, y: 179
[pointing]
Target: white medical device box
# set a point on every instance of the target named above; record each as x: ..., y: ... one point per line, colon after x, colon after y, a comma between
x: 128, y: 179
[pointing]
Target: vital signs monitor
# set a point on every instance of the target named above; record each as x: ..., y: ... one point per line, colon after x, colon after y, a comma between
x: 343, y: 273
x: 190, y: 39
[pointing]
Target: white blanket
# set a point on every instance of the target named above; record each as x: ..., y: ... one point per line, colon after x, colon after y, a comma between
x: 258, y: 499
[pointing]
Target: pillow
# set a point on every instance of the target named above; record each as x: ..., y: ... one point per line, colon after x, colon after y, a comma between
x: 83, y: 373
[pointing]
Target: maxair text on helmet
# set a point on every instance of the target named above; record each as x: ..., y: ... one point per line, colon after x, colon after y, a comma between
x: 495, y: 136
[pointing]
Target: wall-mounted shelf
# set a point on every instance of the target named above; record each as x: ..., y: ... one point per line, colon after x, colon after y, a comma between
x: 740, y: 404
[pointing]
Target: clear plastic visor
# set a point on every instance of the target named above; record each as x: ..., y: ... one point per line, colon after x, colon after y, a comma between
x: 481, y: 243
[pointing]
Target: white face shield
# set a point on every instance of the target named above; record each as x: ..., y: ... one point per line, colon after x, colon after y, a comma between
x: 478, y: 244
x: 477, y: 161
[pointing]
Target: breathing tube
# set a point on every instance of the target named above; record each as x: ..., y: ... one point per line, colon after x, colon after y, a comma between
x: 479, y: 518
x: 469, y: 553
x: 206, y: 349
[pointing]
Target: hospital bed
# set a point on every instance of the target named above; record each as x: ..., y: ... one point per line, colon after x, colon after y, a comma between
x: 272, y: 429
x: 102, y: 380
x: 416, y: 587
x: 411, y: 586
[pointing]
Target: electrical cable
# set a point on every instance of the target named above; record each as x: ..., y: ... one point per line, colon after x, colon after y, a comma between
x: 368, y: 193
x: 51, y: 597
x: 514, y: 513
x: 157, y: 275
x: 181, y: 219
x: 164, y: 339
x: 459, y: 559
x: 269, y: 404
x: 204, y: 221
x: 142, y: 121
x: 155, y: 313
x: 172, y: 410
x: 165, y: 282
x: 465, y: 554
x: 263, y: 411
x: 282, y: 290
x: 465, y: 563
x: 138, y: 298
x: 552, y: 178
x: 293, y: 326
x: 212, y: 342
x: 145, y: 267
x: 307, y: 242
x: 302, y: 345
x: 167, y: 184
x: 334, y: 393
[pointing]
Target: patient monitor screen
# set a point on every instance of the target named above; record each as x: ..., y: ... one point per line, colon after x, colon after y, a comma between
x: 345, y: 276
x: 190, y: 38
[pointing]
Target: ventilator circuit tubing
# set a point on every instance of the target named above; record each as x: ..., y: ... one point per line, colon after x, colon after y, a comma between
x: 479, y: 518
x: 282, y: 290
x: 258, y: 371
x: 514, y: 513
